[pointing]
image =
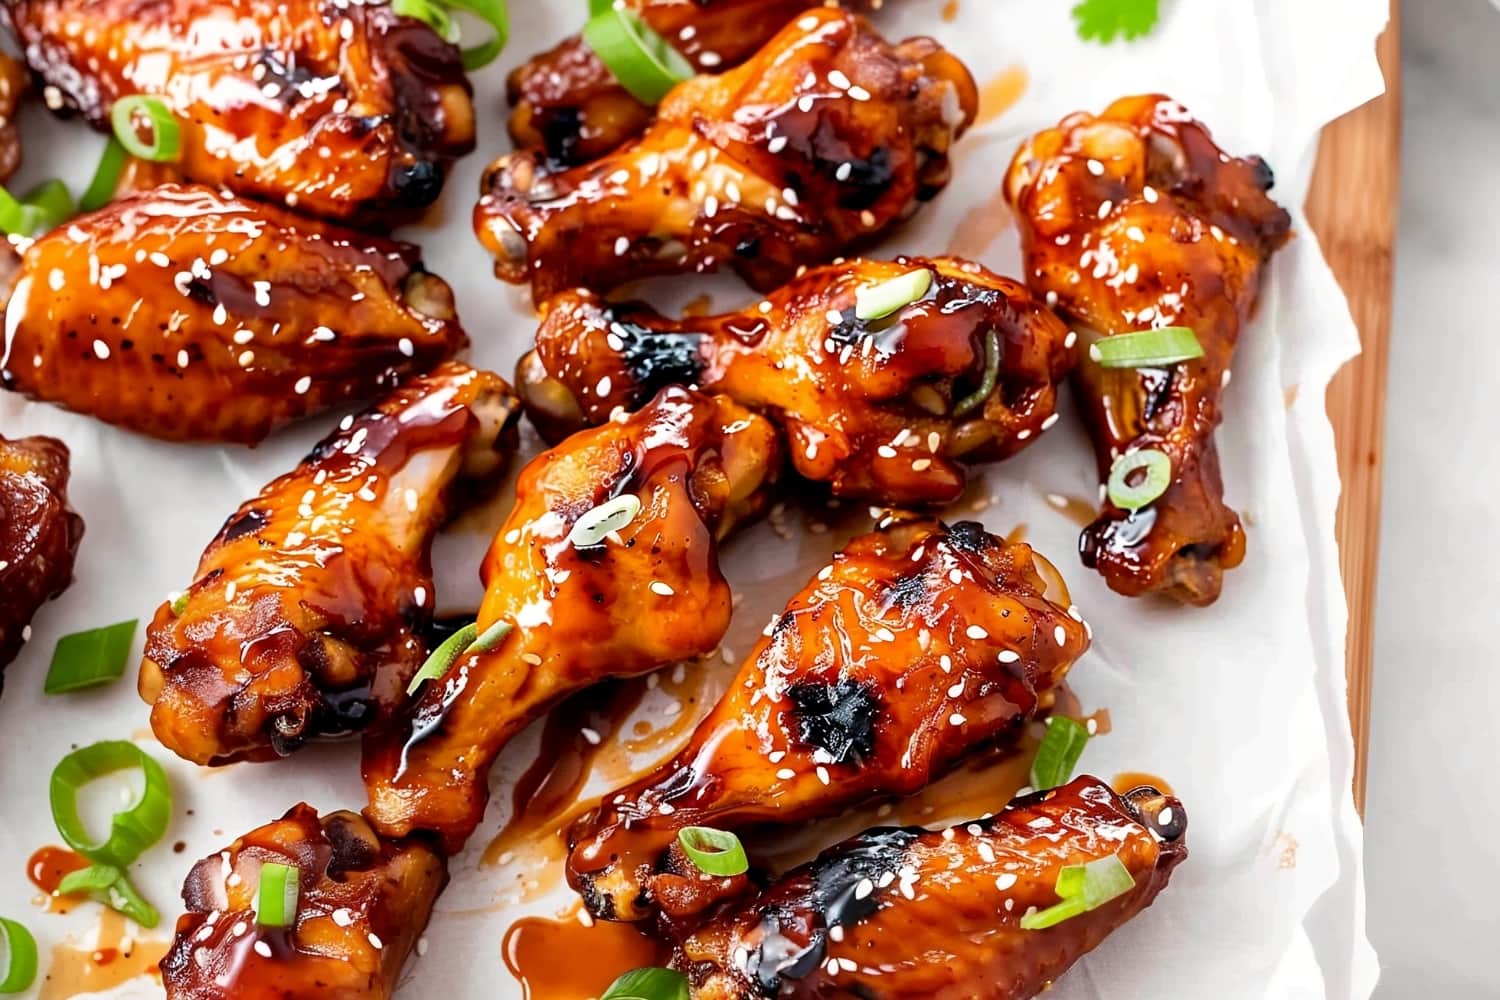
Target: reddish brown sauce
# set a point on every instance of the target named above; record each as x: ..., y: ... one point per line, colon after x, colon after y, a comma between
x: 950, y: 10
x: 1076, y: 509
x: 1126, y: 780
x: 1001, y: 92
x: 566, y: 960
x: 116, y: 957
x: 47, y: 866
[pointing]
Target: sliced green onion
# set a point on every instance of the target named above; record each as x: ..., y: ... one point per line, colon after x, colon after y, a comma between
x: 101, y: 189
x: 644, y: 62
x: 491, y: 637
x: 715, y: 852
x: 87, y: 659
x: 880, y: 300
x: 434, y: 15
x: 53, y: 203
x: 112, y: 887
x: 132, y: 830
x: 988, y: 381
x: 497, y: 16
x: 1059, y: 752
x: 17, y: 957
x: 166, y: 135
x: 597, y: 7
x: 1139, y: 477
x: 437, y: 664
x: 1147, y: 348
x: 648, y: 984
x: 15, y: 217
x: 1082, y: 888
x: 179, y: 602
x: 277, y: 895
x: 593, y: 527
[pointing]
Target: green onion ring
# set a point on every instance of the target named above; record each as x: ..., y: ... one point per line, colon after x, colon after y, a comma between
x: 1155, y: 468
x: 1059, y: 752
x: 1082, y: 888
x: 101, y: 189
x: 1157, y: 348
x: 17, y: 957
x: 497, y: 16
x: 277, y: 895
x: 642, y: 61
x: 166, y: 135
x: 132, y: 830
x: 991, y: 376
x: 648, y: 984
x: 715, y: 852
x: 53, y: 203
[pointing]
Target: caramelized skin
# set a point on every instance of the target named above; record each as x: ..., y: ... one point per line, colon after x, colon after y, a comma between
x: 303, y: 619
x: 190, y: 315
x: 884, y: 410
x: 39, y: 534
x: 643, y: 598
x: 1135, y: 220
x: 364, y: 902
x: 570, y: 106
x: 769, y: 167
x: 12, y: 86
x: 920, y: 644
x: 907, y: 913
x: 343, y: 110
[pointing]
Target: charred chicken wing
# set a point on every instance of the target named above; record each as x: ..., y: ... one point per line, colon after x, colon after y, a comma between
x: 882, y: 409
x: 607, y: 567
x: 344, y: 110
x: 304, y: 617
x: 191, y: 315
x: 919, y: 644
x: 1134, y: 220
x: 39, y: 534
x: 907, y: 913
x: 824, y: 140
x: 363, y: 903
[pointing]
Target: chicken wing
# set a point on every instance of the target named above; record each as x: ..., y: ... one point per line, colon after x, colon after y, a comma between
x: 570, y: 106
x: 884, y: 410
x: 39, y: 535
x: 822, y: 141
x: 1134, y: 220
x: 191, y: 315
x: 347, y: 111
x: 304, y: 620
x: 918, y: 645
x: 584, y: 608
x: 12, y: 86
x: 907, y: 913
x: 364, y: 902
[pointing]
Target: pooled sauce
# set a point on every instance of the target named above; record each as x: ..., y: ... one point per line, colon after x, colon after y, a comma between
x: 116, y: 958
x: 46, y: 868
x: 1000, y: 93
x: 1126, y: 780
x: 566, y: 960
x: 1075, y: 509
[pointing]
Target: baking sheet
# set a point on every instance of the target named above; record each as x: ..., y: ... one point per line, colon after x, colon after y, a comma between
x: 1239, y: 706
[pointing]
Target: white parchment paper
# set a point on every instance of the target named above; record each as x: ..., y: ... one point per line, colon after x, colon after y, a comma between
x: 1240, y: 706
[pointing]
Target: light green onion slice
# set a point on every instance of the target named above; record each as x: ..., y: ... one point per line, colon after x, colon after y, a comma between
x: 1059, y: 752
x: 437, y: 664
x: 491, y: 637
x: 648, y: 984
x: 497, y: 16
x: 277, y: 894
x: 594, y: 526
x: 132, y: 830
x: 106, y: 178
x: 880, y: 300
x: 1137, y: 478
x: 87, y: 659
x: 166, y: 135
x: 42, y: 208
x: 715, y: 852
x: 1082, y: 888
x: 111, y: 886
x: 644, y: 62
x: 1147, y: 348
x: 17, y: 957
x: 179, y: 601
x: 988, y: 380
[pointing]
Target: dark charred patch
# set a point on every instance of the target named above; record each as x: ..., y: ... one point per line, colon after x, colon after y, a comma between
x: 969, y: 536
x: 837, y: 718
x: 906, y: 592
x: 560, y: 130
x: 354, y: 846
x: 656, y: 360
x: 241, y: 524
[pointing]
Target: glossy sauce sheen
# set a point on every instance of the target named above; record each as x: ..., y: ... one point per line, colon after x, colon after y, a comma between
x: 566, y: 960
x: 343, y: 110
x: 48, y: 865
x: 12, y: 85
x: 887, y: 410
x: 188, y: 315
x: 766, y: 168
x: 39, y: 535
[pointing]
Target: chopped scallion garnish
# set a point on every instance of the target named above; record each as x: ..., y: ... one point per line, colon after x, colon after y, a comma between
x: 880, y: 300
x: 1146, y: 348
x: 715, y: 852
x: 87, y: 659
x: 132, y: 830
x: 988, y: 380
x: 438, y: 662
x: 595, y: 525
x: 110, y: 885
x: 648, y: 984
x: 1059, y: 752
x: 1082, y: 888
x: 1137, y: 478
x: 644, y: 62
x: 277, y: 894
x: 17, y: 957
x: 166, y: 134
x: 106, y: 178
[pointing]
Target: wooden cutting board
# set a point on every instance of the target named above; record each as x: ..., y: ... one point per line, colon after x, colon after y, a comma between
x: 1352, y: 207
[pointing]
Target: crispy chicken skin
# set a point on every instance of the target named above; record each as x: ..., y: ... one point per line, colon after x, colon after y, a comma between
x: 364, y: 902
x: 571, y: 107
x: 343, y: 110
x: 12, y: 87
x: 907, y: 913
x: 918, y: 645
x: 647, y: 595
x: 822, y: 141
x: 190, y: 315
x: 39, y: 534
x: 304, y: 618
x: 887, y: 410
x: 1132, y: 220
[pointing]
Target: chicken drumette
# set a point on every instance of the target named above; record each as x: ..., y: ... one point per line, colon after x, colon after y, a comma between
x: 885, y: 409
x: 918, y: 645
x: 191, y: 315
x: 907, y: 913
x: 586, y: 603
x: 363, y: 903
x: 1132, y: 220
x: 822, y: 141
x: 344, y: 110
x: 305, y: 616
x: 39, y: 534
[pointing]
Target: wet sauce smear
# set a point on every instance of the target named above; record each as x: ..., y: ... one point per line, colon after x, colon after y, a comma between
x: 116, y: 958
x: 565, y: 960
x: 1126, y: 780
x: 1000, y: 93
x: 1076, y: 509
x: 46, y: 868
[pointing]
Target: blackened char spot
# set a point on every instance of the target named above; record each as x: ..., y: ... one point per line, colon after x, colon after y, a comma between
x: 969, y: 536
x: 354, y: 849
x: 1263, y: 173
x: 240, y: 525
x: 654, y: 359
x: 906, y: 592
x: 837, y: 718
x: 560, y: 130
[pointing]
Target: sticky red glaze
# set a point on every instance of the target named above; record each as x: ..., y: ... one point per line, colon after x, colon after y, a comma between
x: 39, y: 534
x: 12, y: 87
x: 1132, y: 220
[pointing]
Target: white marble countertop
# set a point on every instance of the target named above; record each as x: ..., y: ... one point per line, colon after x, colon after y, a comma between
x: 1432, y: 810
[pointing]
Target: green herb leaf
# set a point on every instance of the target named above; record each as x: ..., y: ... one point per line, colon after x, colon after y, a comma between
x: 648, y: 984
x: 1104, y: 20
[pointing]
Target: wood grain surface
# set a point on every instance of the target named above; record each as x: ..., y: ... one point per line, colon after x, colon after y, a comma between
x: 1352, y: 207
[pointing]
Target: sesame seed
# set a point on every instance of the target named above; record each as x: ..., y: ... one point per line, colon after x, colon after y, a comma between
x: 664, y: 589
x: 101, y: 350
x: 1005, y: 881
x: 956, y: 719
x: 303, y: 384
x: 786, y: 774
x: 1009, y: 656
x: 1061, y: 635
x: 262, y: 949
x: 863, y: 889
x: 976, y: 632
x: 406, y: 347
x: 375, y: 941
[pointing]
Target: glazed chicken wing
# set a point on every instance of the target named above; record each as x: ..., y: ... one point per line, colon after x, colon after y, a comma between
x: 344, y: 110
x: 919, y: 645
x: 12, y: 86
x: 886, y: 410
x: 190, y: 315
x: 1133, y: 220
x: 363, y: 903
x: 822, y: 141
x: 39, y: 535
x: 585, y: 606
x: 304, y: 618
x: 912, y: 914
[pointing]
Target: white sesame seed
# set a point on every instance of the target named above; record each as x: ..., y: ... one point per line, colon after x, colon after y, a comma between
x: 1061, y: 635
x: 1005, y: 881
x: 786, y: 774
x: 662, y: 588
x: 101, y: 350
x: 976, y: 632
x: 1009, y: 656
x: 406, y: 347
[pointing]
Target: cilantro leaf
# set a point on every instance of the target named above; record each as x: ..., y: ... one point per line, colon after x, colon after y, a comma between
x: 1103, y: 20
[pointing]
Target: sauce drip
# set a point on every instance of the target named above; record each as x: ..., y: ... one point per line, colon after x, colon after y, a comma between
x: 566, y: 960
x: 1001, y: 92
x: 117, y: 957
x: 1126, y: 780
x: 46, y: 868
